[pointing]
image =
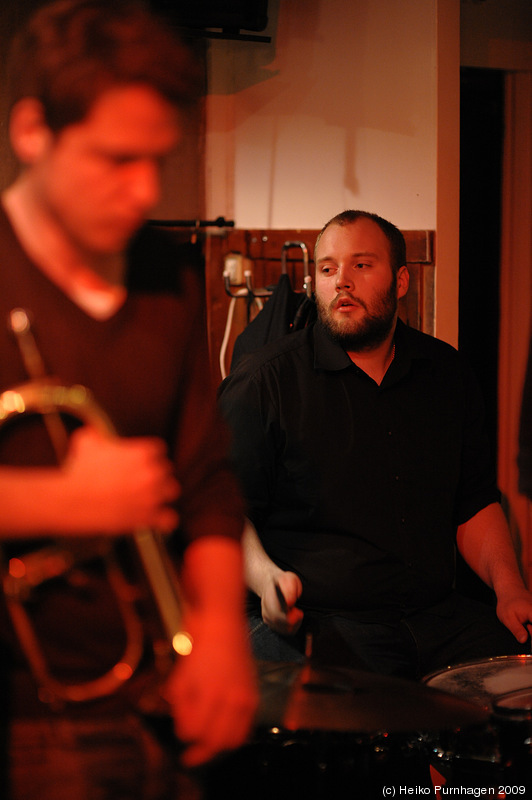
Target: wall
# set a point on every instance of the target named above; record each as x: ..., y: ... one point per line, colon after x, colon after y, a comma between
x: 496, y: 34
x: 338, y: 111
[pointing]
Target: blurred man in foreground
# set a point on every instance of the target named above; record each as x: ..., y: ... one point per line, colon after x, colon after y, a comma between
x: 96, y: 93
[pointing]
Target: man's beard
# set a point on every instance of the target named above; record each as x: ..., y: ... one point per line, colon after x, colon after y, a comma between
x: 365, y: 333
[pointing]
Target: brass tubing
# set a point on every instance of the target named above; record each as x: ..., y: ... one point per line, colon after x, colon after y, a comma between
x: 45, y: 396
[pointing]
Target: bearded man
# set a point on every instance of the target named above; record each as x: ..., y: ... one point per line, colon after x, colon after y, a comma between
x: 364, y: 459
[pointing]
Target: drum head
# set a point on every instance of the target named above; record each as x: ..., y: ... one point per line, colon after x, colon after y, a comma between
x: 482, y: 681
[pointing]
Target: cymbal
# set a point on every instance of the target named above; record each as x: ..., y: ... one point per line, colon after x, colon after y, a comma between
x: 315, y: 698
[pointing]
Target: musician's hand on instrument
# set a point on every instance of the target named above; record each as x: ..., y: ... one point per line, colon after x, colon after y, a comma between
x: 213, y: 692
x: 278, y: 603
x: 124, y: 483
x: 515, y: 611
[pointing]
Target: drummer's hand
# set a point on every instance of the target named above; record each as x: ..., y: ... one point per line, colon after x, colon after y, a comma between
x: 278, y: 603
x: 515, y: 611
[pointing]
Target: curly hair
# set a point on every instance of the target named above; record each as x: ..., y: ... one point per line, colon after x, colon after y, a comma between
x: 71, y: 51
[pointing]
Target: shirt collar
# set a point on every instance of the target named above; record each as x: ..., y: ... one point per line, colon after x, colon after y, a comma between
x: 327, y: 354
x: 331, y: 356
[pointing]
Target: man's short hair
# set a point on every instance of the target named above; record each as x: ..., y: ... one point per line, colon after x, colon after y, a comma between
x: 393, y: 234
x: 71, y: 51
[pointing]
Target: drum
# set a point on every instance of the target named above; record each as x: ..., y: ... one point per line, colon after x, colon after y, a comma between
x: 338, y: 734
x: 513, y: 715
x: 495, y: 753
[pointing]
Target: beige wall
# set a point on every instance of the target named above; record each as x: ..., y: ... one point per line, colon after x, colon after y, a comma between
x: 339, y: 111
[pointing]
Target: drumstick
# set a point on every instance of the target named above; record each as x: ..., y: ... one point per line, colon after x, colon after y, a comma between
x: 284, y: 608
x: 281, y: 598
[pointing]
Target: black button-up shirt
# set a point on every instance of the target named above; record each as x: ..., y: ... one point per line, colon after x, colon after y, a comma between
x: 358, y: 487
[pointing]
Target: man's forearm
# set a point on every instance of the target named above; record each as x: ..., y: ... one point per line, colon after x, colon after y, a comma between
x: 32, y: 502
x: 485, y: 543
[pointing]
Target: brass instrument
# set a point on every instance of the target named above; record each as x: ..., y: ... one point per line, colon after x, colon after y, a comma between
x: 45, y: 396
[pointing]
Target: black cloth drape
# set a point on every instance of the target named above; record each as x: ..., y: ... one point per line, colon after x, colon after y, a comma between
x: 285, y: 311
x: 524, y: 458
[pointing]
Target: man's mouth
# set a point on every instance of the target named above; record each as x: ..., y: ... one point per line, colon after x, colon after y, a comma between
x: 346, y: 302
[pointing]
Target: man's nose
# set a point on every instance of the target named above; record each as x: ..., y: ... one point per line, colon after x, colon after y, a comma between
x: 345, y: 278
x: 146, y: 183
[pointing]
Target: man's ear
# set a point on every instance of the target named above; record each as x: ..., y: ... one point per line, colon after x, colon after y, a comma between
x: 403, y: 281
x: 28, y: 131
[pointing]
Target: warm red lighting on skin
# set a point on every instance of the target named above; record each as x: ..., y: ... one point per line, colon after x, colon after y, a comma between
x: 16, y: 568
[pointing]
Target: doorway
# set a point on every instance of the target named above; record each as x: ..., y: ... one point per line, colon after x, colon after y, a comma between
x: 481, y: 158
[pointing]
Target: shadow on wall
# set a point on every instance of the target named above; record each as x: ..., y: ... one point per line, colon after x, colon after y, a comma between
x: 250, y: 62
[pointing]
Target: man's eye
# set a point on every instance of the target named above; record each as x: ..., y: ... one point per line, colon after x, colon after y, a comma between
x: 120, y: 161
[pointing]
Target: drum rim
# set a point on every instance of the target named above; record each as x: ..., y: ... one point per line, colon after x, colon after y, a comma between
x: 525, y: 657
x: 507, y: 712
